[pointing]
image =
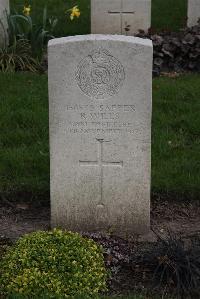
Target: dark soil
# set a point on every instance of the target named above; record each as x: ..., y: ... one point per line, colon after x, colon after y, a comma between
x: 183, y: 219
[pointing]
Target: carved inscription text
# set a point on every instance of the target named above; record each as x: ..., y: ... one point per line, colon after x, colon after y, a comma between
x: 102, y: 118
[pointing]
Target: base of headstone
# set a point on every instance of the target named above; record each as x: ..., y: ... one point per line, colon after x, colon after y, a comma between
x: 193, y: 12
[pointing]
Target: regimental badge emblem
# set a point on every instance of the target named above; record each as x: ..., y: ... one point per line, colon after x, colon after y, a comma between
x: 100, y: 75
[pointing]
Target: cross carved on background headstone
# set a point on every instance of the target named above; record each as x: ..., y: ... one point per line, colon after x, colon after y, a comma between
x: 121, y: 13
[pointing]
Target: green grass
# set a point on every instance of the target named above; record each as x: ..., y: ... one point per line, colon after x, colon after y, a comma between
x: 176, y: 136
x: 24, y: 150
x: 169, y: 14
x: 166, y: 14
x: 110, y: 297
x: 44, y: 297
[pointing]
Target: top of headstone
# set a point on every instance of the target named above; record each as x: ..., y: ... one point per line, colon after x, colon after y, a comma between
x: 101, y: 37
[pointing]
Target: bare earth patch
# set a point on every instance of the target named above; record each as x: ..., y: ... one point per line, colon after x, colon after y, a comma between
x: 19, y: 219
x: 182, y: 219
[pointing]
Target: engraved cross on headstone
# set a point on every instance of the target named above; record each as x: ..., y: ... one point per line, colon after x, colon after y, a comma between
x: 121, y: 13
x: 101, y: 163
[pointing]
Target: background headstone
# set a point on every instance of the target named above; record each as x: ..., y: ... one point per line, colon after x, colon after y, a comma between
x: 193, y: 12
x: 100, y: 133
x: 120, y: 16
x: 4, y: 6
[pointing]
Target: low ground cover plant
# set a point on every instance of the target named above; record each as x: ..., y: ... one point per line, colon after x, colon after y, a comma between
x: 53, y: 263
x: 176, y: 51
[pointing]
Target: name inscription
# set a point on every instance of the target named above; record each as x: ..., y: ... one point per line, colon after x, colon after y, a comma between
x: 101, y: 118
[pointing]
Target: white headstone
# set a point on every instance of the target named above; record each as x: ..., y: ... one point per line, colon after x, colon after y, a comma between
x: 100, y: 133
x: 193, y: 12
x: 4, y: 7
x: 120, y: 16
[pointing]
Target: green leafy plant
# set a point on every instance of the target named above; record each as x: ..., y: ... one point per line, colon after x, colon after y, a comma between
x: 27, y: 42
x: 53, y: 263
x: 22, y: 27
x: 18, y: 57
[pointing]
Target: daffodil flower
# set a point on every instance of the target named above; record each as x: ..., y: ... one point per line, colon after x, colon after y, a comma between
x: 27, y: 10
x: 75, y: 12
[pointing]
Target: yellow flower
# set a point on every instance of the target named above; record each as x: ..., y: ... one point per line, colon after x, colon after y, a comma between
x: 27, y: 10
x: 75, y: 12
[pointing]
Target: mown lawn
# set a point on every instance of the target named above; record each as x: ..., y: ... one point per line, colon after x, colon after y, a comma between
x: 110, y: 297
x: 24, y: 150
x: 166, y: 14
x: 24, y: 147
x: 169, y: 14
x: 129, y: 297
x: 176, y: 136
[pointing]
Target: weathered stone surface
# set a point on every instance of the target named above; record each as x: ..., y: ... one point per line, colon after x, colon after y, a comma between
x: 120, y: 16
x: 4, y: 7
x: 193, y: 12
x: 100, y: 133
